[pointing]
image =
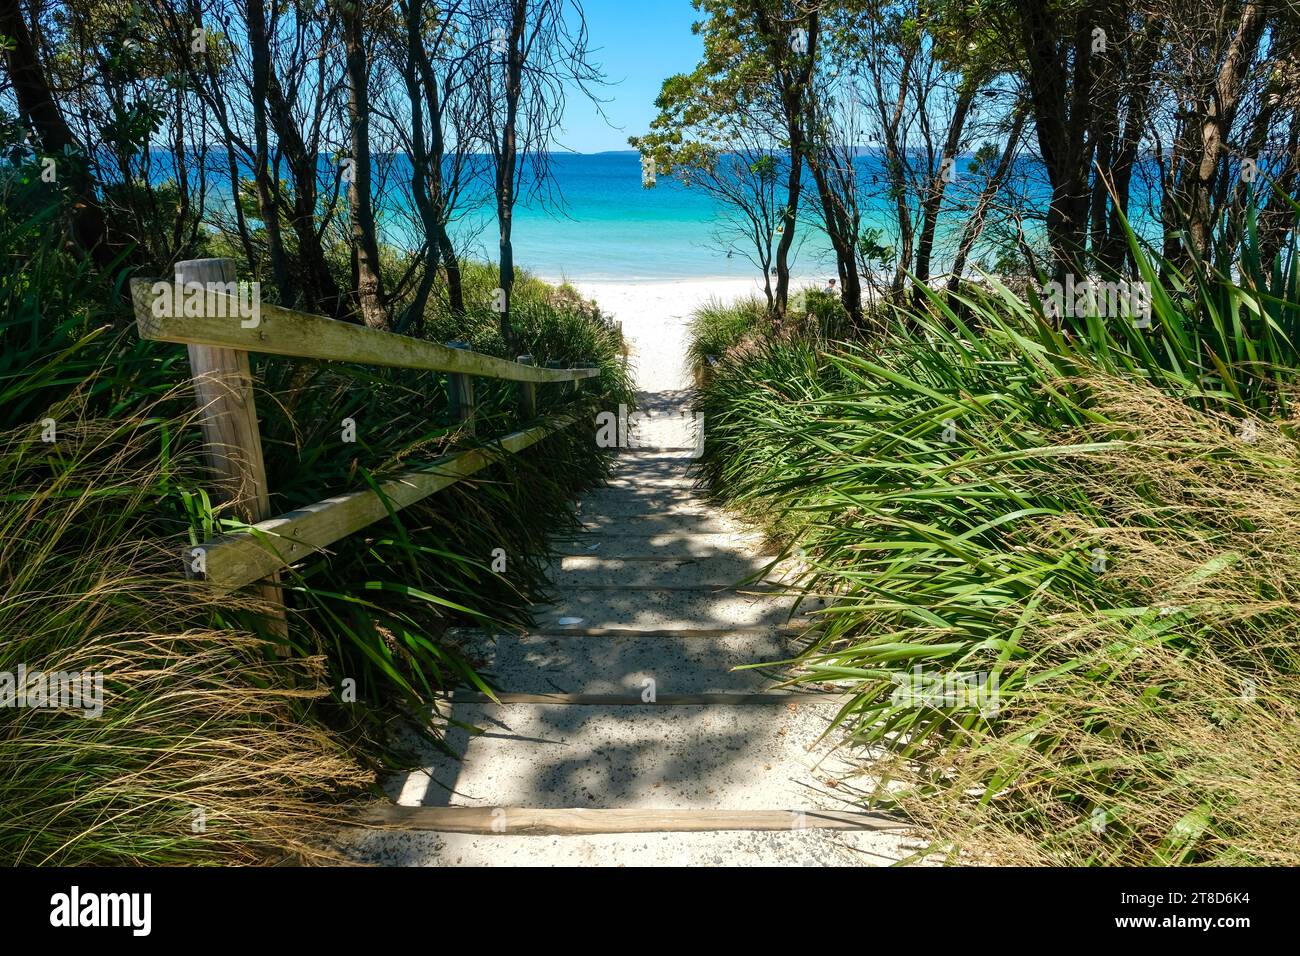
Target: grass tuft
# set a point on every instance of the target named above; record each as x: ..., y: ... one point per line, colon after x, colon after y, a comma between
x: 1062, y: 562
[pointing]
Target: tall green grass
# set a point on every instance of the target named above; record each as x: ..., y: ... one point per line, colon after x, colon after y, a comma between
x: 203, y: 721
x: 208, y: 748
x: 718, y: 326
x: 378, y: 603
x: 1095, y: 521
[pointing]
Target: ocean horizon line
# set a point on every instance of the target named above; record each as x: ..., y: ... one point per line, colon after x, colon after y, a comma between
x: 755, y: 280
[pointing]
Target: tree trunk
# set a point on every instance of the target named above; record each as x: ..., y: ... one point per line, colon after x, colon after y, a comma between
x: 423, y: 175
x: 840, y: 217
x: 934, y: 198
x: 1234, y: 222
x: 438, y: 199
x: 895, y: 168
x: 1105, y: 135
x: 263, y: 180
x: 781, y: 296
x: 1220, y: 111
x: 365, y: 246
x: 1062, y: 111
x: 793, y: 84
x: 975, y: 224
x: 1116, y: 249
x: 836, y: 181
x: 36, y: 105
x: 1173, y: 201
x: 320, y: 289
x: 455, y: 292
x: 507, y: 165
x: 1277, y: 219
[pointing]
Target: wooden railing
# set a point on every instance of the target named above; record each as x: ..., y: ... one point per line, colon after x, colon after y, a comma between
x: 220, y: 340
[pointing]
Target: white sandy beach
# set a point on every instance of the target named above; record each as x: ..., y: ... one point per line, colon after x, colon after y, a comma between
x: 655, y: 317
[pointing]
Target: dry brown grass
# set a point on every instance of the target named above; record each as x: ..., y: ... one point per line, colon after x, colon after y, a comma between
x: 1159, y: 718
x: 200, y: 720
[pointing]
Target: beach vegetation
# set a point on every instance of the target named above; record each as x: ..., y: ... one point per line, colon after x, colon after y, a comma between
x: 217, y: 736
x: 1057, y: 557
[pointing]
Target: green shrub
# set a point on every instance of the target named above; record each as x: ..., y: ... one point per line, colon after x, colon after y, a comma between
x: 717, y: 326
x: 208, y: 748
x: 1091, y: 521
x: 378, y: 603
x: 200, y: 715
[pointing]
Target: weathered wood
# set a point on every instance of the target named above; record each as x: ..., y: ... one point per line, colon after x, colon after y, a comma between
x: 579, y: 821
x: 695, y: 587
x: 461, y: 391
x: 237, y: 559
x: 565, y: 389
x: 223, y: 389
x: 281, y: 331
x: 782, y: 630
x: 527, y: 393
x: 762, y: 699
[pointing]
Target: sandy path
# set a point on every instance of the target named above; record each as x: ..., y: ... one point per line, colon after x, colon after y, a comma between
x: 656, y: 324
x: 656, y: 316
x: 646, y: 596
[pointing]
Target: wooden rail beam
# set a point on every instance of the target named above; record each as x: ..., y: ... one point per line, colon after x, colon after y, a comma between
x: 279, y: 331
x: 564, y: 389
x: 237, y: 559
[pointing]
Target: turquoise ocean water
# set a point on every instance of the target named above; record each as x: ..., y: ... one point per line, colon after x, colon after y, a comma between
x: 609, y: 226
x: 600, y: 222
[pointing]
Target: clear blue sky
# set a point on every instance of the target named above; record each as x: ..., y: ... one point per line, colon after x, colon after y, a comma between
x: 638, y: 43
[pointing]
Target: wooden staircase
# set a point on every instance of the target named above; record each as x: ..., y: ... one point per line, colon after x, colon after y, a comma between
x: 625, y: 734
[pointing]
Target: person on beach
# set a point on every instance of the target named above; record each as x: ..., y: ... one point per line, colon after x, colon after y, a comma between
x: 830, y: 288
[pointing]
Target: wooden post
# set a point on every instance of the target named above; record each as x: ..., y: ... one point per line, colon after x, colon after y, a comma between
x: 564, y: 386
x: 622, y: 342
x: 223, y: 388
x: 461, y: 390
x: 527, y: 393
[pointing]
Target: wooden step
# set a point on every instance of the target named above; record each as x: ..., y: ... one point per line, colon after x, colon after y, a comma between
x: 654, y: 478
x: 667, y: 609
x: 656, y: 756
x: 669, y: 521
x: 568, y: 663
x: 680, y: 457
x: 596, y: 570
x: 800, y: 628
x: 647, y: 507
x: 647, y: 497
x: 771, y: 698
x: 813, y: 847
x: 584, y: 820
x: 613, y: 543
x: 760, y: 587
